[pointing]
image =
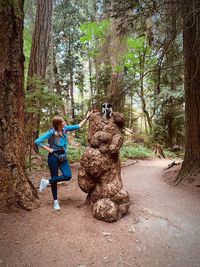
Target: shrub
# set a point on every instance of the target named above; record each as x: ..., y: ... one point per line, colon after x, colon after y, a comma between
x: 135, y: 152
x: 74, y: 153
x: 171, y: 154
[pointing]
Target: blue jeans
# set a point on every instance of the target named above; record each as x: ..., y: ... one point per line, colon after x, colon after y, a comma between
x: 54, y: 165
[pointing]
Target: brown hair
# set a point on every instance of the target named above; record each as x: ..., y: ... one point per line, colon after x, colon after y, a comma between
x: 56, y: 122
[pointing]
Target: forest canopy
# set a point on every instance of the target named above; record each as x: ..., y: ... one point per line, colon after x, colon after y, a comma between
x: 128, y: 53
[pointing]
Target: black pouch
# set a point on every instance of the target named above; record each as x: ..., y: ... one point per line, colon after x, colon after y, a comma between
x: 62, y: 157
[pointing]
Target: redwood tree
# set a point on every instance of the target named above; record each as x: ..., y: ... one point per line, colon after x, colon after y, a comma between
x: 15, y: 188
x: 122, y: 17
x: 41, y: 40
x: 38, y: 61
x: 117, y: 50
x: 191, y: 46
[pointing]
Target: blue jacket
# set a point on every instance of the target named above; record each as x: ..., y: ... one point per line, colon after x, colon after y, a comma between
x: 58, y: 141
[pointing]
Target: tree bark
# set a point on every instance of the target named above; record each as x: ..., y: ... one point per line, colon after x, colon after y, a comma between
x: 141, y: 94
x: 191, y: 47
x: 15, y: 188
x: 131, y: 110
x: 57, y: 83
x: 38, y: 60
x: 116, y: 96
x: 90, y: 79
x: 41, y: 40
x: 100, y: 169
x: 117, y: 49
x: 72, y: 92
x: 71, y: 80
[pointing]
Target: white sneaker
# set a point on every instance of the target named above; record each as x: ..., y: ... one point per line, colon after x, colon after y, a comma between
x: 43, y: 184
x: 56, y: 205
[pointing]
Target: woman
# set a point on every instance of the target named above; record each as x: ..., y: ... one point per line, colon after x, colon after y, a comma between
x: 57, y: 148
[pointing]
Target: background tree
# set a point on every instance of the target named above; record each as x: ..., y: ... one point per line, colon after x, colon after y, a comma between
x: 190, y: 11
x: 117, y: 49
x: 38, y: 62
x: 68, y: 49
x: 15, y: 188
x: 170, y: 80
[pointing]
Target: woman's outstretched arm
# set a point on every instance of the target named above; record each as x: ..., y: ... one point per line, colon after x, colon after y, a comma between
x: 86, y: 118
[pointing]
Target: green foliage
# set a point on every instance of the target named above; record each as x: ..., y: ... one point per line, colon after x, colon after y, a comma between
x: 138, y: 48
x: 173, y: 118
x: 143, y: 152
x: 40, y: 98
x: 167, y: 95
x: 170, y: 154
x: 130, y: 118
x: 93, y: 31
x: 27, y: 48
x: 74, y: 154
x: 93, y: 37
x: 42, y: 102
x: 169, y: 117
x: 135, y: 152
x: 68, y: 15
x: 81, y: 135
x: 164, y: 92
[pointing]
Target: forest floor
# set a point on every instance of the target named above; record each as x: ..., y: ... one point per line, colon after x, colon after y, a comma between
x: 162, y: 228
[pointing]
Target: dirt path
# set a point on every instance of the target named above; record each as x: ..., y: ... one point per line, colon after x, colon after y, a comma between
x: 162, y: 229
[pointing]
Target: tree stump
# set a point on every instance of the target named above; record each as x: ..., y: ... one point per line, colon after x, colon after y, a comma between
x: 100, y: 171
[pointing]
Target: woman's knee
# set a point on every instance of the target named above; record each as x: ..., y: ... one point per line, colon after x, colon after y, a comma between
x: 67, y: 177
x: 67, y: 174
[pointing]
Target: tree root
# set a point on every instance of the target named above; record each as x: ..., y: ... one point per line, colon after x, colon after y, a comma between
x: 132, y: 163
x: 172, y: 164
x: 189, y: 172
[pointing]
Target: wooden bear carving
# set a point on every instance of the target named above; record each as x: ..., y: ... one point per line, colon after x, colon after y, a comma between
x: 100, y: 171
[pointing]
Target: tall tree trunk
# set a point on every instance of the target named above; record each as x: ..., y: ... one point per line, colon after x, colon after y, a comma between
x: 90, y: 79
x: 116, y: 95
x: 141, y: 94
x: 131, y: 110
x: 71, y: 79
x: 120, y: 14
x: 107, y: 5
x: 41, y: 40
x: 15, y: 187
x: 191, y: 46
x: 171, y: 60
x: 50, y: 66
x: 57, y: 82
x: 118, y: 47
x: 71, y: 74
x: 144, y: 110
x: 38, y: 60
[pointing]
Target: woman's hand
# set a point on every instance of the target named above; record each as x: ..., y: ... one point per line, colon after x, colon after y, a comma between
x: 49, y: 149
x: 86, y: 118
